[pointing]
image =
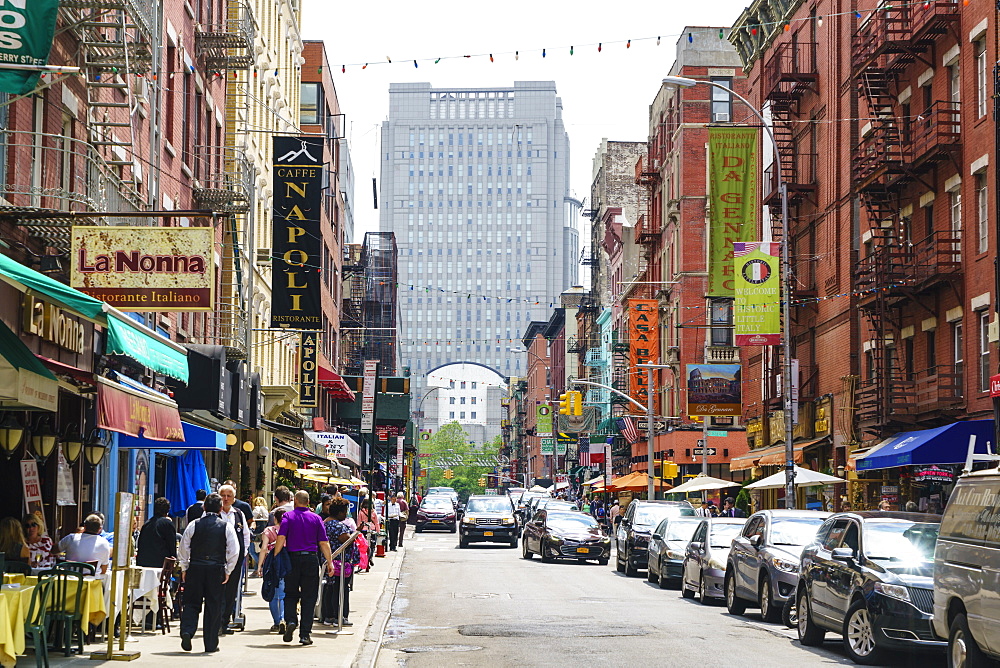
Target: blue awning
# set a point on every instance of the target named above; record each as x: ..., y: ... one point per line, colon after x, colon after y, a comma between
x: 195, y: 438
x: 943, y: 445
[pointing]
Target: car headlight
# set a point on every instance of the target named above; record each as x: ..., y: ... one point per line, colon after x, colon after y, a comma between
x: 716, y: 564
x: 555, y: 540
x: 784, y: 565
x: 675, y: 555
x: 508, y: 520
x: 468, y: 520
x: 893, y: 591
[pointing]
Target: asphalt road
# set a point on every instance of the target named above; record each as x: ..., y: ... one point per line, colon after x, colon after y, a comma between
x: 485, y: 605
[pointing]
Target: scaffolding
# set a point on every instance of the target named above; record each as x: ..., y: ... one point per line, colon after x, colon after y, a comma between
x: 370, y: 311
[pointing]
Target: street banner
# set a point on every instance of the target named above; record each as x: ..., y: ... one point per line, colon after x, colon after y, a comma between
x: 574, y: 424
x: 734, y: 201
x: 297, y: 241
x: 714, y: 389
x: 399, y: 456
x: 308, y: 355
x: 644, y: 345
x: 368, y: 396
x: 607, y: 460
x: 548, y: 446
x: 145, y: 268
x: 25, y: 39
x: 795, y: 391
x: 543, y: 420
x: 756, y: 311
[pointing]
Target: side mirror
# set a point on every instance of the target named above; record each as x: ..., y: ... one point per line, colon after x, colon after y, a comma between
x: 656, y: 535
x: 756, y: 540
x: 696, y: 547
x: 843, y: 554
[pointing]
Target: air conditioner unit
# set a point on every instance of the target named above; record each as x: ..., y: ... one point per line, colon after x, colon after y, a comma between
x: 721, y: 117
x: 263, y: 256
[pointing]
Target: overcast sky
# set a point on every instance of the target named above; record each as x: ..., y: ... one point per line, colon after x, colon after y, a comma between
x: 604, y: 94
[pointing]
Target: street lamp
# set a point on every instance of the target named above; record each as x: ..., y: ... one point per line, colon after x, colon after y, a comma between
x: 11, y: 434
x: 786, y: 340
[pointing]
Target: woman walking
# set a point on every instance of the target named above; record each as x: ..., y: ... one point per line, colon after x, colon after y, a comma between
x: 277, y: 604
x: 338, y: 532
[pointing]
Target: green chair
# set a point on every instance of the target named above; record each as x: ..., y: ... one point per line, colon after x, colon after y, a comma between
x: 65, y: 610
x: 82, y: 567
x: 3, y: 562
x: 37, y: 623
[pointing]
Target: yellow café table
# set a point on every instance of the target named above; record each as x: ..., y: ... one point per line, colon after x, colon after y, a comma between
x: 13, y: 578
x: 14, y: 604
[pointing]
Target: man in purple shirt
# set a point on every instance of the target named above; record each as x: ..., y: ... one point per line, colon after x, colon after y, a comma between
x: 303, y: 533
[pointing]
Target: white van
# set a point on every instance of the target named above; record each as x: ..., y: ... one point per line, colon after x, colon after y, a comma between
x: 967, y: 571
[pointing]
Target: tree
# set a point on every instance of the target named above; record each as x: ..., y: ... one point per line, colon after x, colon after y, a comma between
x: 449, y: 448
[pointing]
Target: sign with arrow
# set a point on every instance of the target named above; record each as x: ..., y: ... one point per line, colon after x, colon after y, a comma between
x: 660, y: 424
x: 701, y: 451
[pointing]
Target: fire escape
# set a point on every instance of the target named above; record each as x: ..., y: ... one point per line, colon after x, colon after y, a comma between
x: 893, y: 153
x: 370, y: 304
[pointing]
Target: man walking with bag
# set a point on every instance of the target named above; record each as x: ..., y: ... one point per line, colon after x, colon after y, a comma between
x: 392, y: 514
x: 237, y: 519
x: 303, y: 534
x: 208, y: 555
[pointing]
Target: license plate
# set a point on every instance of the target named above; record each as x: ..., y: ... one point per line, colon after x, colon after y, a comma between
x: 583, y: 550
x: 435, y: 521
x: 487, y: 533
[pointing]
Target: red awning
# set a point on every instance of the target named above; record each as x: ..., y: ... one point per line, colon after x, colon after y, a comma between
x: 129, y: 411
x: 60, y: 369
x: 333, y: 383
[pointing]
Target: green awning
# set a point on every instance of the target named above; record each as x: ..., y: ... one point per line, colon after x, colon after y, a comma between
x: 24, y: 380
x: 123, y: 339
x: 607, y: 427
x: 51, y: 289
x: 18, y: 355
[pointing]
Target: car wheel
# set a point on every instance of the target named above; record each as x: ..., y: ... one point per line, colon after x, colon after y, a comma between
x: 734, y: 603
x: 525, y: 552
x: 963, y: 651
x: 768, y: 610
x: 789, y: 614
x: 543, y: 553
x: 454, y: 528
x: 513, y: 541
x: 651, y: 575
x: 630, y: 570
x: 619, y: 564
x: 810, y: 635
x: 859, y: 635
x: 685, y: 591
x: 603, y: 562
x: 462, y: 543
x: 662, y: 580
x: 703, y: 596
x: 419, y: 529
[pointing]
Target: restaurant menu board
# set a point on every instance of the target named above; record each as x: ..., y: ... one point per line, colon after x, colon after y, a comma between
x: 31, y: 486
x: 123, y: 529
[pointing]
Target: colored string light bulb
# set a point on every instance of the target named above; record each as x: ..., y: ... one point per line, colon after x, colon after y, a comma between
x: 343, y: 69
x: 437, y: 60
x: 722, y: 34
x: 415, y: 63
x: 543, y: 53
x: 819, y: 21
x: 628, y: 44
x: 690, y: 38
x: 753, y: 31
x: 657, y: 40
x: 491, y: 58
x: 571, y: 50
x: 598, y: 47
x: 365, y: 66
x: 857, y: 15
x: 788, y: 26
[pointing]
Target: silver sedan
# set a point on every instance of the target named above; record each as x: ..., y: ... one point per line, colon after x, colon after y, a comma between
x: 704, y: 569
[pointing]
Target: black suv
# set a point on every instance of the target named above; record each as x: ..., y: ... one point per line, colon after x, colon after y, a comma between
x: 638, y: 522
x: 869, y: 577
x: 489, y: 519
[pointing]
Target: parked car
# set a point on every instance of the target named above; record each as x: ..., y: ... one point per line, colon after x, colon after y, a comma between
x: 636, y: 527
x: 764, y: 562
x: 868, y: 576
x: 557, y: 534
x: 436, y: 512
x: 967, y: 572
x: 488, y: 519
x: 521, y: 507
x: 555, y: 504
x: 705, y: 558
x: 665, y: 553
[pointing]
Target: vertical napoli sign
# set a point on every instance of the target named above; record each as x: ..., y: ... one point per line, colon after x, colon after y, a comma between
x: 297, y: 242
x: 26, y: 31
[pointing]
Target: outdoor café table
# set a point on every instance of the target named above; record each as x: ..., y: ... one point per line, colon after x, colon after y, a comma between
x: 93, y: 606
x: 14, y: 604
x: 13, y: 578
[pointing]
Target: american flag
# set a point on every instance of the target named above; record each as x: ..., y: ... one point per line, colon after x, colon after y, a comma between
x: 584, y: 444
x: 628, y: 430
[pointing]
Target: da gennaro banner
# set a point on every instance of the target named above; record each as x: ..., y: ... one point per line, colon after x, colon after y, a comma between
x: 733, y: 199
x: 297, y: 243
x: 644, y: 345
x: 756, y: 314
x: 145, y: 268
x: 714, y: 389
x: 26, y: 31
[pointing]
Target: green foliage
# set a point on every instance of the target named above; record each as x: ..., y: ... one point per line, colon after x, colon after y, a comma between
x: 452, y: 441
x: 743, y: 501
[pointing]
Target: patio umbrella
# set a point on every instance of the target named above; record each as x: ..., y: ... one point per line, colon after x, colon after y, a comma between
x: 636, y: 482
x: 803, y: 478
x: 538, y: 488
x: 593, y: 481
x: 703, y: 483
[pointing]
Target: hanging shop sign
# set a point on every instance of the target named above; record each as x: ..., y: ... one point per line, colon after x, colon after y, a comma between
x: 336, y: 445
x: 644, y: 345
x: 53, y: 324
x: 756, y: 313
x: 933, y: 474
x: 543, y: 420
x: 308, y: 357
x: 127, y: 411
x: 399, y: 456
x: 31, y: 486
x: 714, y: 389
x: 145, y: 268
x: 296, y: 244
x: 26, y: 32
x: 368, y: 395
x: 733, y: 201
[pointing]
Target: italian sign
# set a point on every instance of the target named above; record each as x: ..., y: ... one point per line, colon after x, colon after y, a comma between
x: 296, y: 243
x: 644, y: 344
x: 145, y: 268
x: 308, y: 352
x: 756, y: 313
x: 26, y: 31
x: 714, y: 389
x: 733, y: 201
x: 543, y: 420
x: 336, y: 445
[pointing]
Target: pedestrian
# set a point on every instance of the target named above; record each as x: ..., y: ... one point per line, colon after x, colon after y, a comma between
x: 283, y: 500
x: 157, y: 538
x: 231, y: 514
x: 338, y: 531
x: 845, y: 507
x: 276, y: 604
x: 323, y: 507
x: 195, y: 510
x: 392, y: 513
x: 208, y: 555
x: 713, y: 510
x: 370, y: 524
x: 884, y: 505
x: 703, y: 510
x: 615, y: 515
x: 404, y: 513
x: 303, y: 533
x: 259, y: 522
x: 730, y: 510
x: 242, y: 505
x: 911, y: 506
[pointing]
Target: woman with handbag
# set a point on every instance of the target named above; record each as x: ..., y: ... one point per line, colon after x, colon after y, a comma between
x: 338, y: 532
x: 277, y: 603
x: 369, y: 523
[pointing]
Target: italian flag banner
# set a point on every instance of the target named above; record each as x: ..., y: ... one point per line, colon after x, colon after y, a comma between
x: 756, y: 312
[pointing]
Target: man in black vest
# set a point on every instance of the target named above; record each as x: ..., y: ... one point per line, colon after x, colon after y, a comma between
x: 208, y: 555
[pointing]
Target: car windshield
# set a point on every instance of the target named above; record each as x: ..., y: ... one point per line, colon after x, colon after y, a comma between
x: 437, y: 504
x: 488, y: 506
x: 681, y: 530
x: 723, y: 534
x: 795, y: 531
x: 651, y: 515
x: 571, y: 522
x: 900, y: 540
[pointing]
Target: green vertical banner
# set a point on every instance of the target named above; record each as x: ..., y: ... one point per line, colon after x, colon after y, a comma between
x: 543, y: 420
x: 756, y: 312
x: 26, y: 31
x: 734, y: 201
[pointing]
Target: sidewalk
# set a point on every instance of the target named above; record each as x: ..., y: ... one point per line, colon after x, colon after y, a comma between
x: 257, y: 646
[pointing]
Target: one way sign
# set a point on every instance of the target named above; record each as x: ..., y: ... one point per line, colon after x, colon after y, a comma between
x: 660, y: 425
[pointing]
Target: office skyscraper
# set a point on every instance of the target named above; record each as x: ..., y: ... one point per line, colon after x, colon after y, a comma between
x: 475, y: 185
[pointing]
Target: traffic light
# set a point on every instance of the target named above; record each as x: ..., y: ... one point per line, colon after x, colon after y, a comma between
x: 577, y: 401
x: 670, y: 470
x: 482, y: 482
x: 449, y: 474
x: 565, y: 403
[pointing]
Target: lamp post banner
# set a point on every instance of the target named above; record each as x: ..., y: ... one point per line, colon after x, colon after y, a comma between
x: 733, y: 199
x: 756, y: 312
